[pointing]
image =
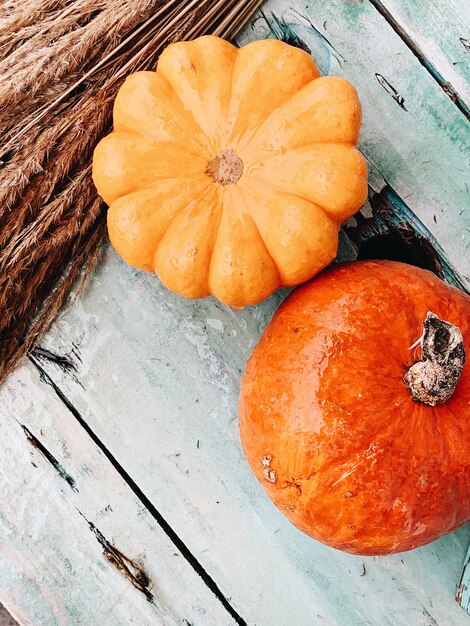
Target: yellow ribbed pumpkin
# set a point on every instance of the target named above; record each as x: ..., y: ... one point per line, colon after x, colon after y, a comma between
x: 229, y: 171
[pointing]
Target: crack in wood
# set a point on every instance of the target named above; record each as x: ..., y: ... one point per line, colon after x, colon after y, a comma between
x: 460, y: 591
x: 390, y: 89
x: 398, y: 242
x: 132, y: 570
x: 34, y: 441
x: 425, y: 62
x: 147, y: 503
x: 427, y: 615
x: 64, y: 361
x: 338, y: 56
x: 462, y: 586
x: 393, y: 232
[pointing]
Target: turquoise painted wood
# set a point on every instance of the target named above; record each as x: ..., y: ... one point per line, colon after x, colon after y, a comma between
x: 439, y: 32
x: 76, y: 544
x: 140, y: 413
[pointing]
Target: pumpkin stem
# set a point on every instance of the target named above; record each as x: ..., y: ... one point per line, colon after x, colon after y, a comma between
x: 225, y: 168
x: 433, y: 379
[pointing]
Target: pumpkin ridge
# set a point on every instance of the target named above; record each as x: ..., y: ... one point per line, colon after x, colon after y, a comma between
x: 196, y: 198
x: 249, y: 139
x: 211, y: 148
x: 220, y: 195
x: 274, y: 52
x: 227, y: 207
x: 154, y: 204
x: 156, y: 182
x: 194, y: 145
x: 318, y: 173
x: 161, y: 180
x: 250, y: 180
x: 190, y: 150
x: 226, y: 139
x: 258, y: 132
x: 232, y: 269
x: 285, y: 188
x: 304, y: 256
x: 219, y: 199
x: 212, y: 139
x: 213, y: 205
x: 242, y: 193
x: 122, y: 162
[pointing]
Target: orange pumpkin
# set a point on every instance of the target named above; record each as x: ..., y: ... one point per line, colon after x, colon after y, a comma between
x: 230, y: 170
x: 353, y: 419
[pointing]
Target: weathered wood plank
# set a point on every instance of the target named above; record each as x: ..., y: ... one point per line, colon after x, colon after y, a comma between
x: 412, y: 133
x: 439, y: 32
x: 76, y: 545
x: 158, y: 382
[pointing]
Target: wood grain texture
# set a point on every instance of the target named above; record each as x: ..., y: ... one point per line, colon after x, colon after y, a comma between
x: 157, y: 380
x: 76, y: 545
x: 440, y: 34
x: 412, y: 132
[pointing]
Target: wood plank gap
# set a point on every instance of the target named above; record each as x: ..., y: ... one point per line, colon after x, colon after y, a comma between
x: 401, y: 32
x: 177, y: 541
x: 402, y: 210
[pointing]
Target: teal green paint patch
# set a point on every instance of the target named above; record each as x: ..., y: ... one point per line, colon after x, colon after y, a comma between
x: 355, y: 8
x: 26, y: 594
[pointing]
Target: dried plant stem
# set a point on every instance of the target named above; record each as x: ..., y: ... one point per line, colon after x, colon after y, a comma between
x: 60, y: 67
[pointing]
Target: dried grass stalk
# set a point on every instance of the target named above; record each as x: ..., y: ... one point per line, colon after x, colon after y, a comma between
x: 61, y: 65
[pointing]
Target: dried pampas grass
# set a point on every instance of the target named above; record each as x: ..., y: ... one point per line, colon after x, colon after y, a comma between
x: 61, y: 64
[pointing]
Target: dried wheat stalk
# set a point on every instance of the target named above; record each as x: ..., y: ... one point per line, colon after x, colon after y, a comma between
x: 60, y: 67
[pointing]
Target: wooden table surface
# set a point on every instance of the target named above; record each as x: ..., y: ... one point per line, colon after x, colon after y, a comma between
x: 126, y: 498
